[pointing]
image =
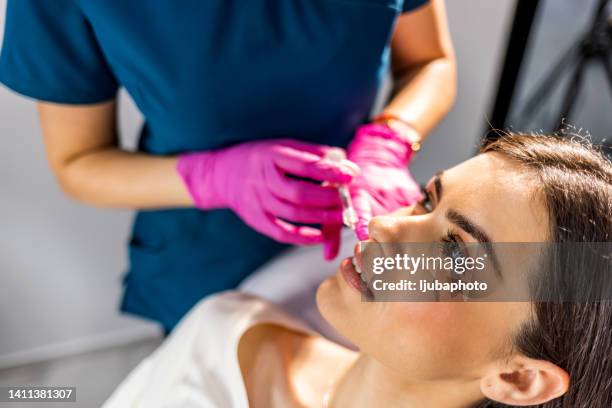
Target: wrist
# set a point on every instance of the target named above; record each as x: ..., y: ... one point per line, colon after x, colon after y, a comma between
x: 379, y: 144
x: 402, y: 128
x: 177, y: 191
x: 197, y: 171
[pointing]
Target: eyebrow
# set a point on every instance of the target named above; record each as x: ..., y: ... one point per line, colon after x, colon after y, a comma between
x: 478, y: 233
x: 468, y: 226
x: 438, y: 184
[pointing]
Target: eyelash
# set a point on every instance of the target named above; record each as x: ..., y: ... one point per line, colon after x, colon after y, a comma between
x: 452, y: 245
x: 450, y: 239
x: 426, y: 202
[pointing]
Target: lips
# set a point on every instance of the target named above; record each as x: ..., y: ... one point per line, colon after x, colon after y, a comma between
x: 356, y: 258
x: 354, y: 275
x: 350, y: 275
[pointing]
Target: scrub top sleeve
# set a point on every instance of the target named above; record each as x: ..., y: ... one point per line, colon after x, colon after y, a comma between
x: 50, y: 53
x: 410, y: 5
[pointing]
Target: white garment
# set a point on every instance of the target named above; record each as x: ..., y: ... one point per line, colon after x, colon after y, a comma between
x: 197, y: 366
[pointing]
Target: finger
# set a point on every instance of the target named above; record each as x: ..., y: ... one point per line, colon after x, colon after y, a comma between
x: 331, y: 243
x: 325, y: 152
x: 287, y: 233
x: 361, y: 230
x: 302, y: 192
x: 312, y: 166
x: 363, y: 209
x: 409, y: 196
x: 318, y: 149
x: 302, y: 214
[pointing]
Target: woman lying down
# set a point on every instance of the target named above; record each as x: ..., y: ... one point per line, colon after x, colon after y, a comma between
x: 235, y: 350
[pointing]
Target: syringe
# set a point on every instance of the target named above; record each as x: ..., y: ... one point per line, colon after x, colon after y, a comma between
x: 349, y: 216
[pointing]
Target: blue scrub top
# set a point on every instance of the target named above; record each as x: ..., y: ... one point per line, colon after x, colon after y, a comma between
x: 206, y: 74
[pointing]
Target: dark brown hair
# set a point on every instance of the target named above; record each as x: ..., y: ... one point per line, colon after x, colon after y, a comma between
x: 575, y: 181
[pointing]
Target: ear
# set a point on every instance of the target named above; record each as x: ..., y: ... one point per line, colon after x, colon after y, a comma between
x: 524, y: 381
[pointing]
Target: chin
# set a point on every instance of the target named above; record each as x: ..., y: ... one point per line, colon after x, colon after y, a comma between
x: 334, y: 308
x: 327, y: 290
x: 329, y: 301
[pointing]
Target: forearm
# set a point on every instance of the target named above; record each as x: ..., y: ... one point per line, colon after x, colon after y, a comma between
x: 424, y: 68
x: 83, y: 153
x: 423, y: 95
x: 110, y: 177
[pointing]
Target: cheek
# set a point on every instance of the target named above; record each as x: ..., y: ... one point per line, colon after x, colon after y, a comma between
x: 430, y: 324
x: 453, y: 331
x: 422, y: 341
x: 429, y: 341
x: 411, y: 338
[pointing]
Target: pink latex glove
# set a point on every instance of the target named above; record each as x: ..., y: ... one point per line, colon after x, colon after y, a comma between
x: 251, y: 179
x: 384, y: 183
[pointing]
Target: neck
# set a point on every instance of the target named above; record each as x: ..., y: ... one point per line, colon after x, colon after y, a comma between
x: 367, y: 383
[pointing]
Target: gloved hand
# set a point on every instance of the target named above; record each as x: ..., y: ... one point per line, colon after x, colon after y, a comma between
x: 384, y: 183
x: 251, y: 179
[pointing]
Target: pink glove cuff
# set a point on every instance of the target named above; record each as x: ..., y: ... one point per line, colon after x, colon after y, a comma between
x: 378, y: 143
x: 196, y: 171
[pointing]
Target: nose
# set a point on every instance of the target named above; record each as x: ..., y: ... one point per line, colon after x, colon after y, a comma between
x: 403, y: 225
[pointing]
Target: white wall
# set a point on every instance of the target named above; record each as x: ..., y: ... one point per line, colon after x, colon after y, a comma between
x: 479, y: 29
x: 61, y: 262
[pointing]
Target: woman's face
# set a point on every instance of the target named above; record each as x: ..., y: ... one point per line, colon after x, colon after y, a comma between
x: 426, y: 341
